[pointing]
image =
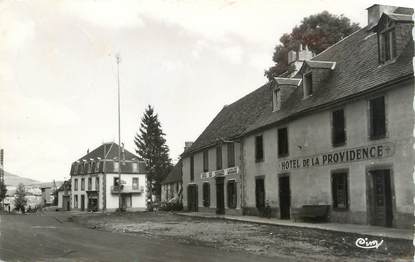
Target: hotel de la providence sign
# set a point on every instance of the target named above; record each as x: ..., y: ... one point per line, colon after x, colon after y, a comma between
x: 363, y: 153
x: 221, y: 172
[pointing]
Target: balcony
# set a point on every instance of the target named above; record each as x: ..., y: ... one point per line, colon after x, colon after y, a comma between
x: 127, y: 189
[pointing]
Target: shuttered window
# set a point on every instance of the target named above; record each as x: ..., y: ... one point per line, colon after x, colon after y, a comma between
x: 192, y: 169
x: 218, y: 157
x: 135, y: 183
x: 308, y: 84
x: 340, y: 190
x: 377, y: 118
x: 282, y: 142
x: 231, y: 154
x: 387, y: 45
x: 259, y: 149
x: 205, y: 161
x: 338, y: 128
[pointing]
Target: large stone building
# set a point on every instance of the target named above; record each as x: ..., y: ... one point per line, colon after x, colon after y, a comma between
x: 95, y: 184
x: 335, y: 132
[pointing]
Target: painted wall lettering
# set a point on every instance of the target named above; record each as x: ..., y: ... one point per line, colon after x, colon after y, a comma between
x: 374, y: 151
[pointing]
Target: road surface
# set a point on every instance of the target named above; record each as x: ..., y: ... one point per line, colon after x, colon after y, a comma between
x: 51, y: 237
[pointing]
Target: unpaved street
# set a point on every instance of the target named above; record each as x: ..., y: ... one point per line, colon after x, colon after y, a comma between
x: 51, y: 237
x: 266, y: 241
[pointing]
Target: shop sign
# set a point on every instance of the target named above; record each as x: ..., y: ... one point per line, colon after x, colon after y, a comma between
x: 369, y: 152
x: 222, y: 172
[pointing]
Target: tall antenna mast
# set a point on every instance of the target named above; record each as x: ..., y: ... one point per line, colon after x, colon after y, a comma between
x: 118, y: 60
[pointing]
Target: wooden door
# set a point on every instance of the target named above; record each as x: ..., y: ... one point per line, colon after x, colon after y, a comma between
x: 260, y: 194
x: 285, y: 197
x: 381, y: 198
x: 220, y: 195
x: 192, y: 198
x: 82, y: 202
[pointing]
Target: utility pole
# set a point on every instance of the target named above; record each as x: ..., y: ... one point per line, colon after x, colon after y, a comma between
x: 2, y: 172
x: 118, y: 60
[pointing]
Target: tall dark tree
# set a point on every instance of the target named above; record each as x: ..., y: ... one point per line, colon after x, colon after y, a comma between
x: 20, y: 200
x: 152, y: 148
x: 317, y: 32
x: 3, y: 190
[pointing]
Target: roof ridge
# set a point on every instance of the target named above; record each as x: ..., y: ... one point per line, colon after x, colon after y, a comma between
x: 338, y: 42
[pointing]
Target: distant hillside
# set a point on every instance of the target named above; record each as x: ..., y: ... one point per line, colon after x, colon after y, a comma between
x: 14, y: 180
x: 46, y: 184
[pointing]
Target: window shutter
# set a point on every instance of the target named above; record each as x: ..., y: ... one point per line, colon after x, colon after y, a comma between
x: 218, y: 157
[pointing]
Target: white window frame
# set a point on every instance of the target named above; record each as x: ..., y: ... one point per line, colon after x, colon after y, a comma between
x: 306, y: 88
x: 276, y: 99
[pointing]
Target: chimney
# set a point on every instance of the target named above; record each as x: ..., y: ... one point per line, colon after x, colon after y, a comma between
x: 375, y: 12
x: 300, y: 56
x: 305, y: 54
x: 292, y: 56
x: 187, y: 145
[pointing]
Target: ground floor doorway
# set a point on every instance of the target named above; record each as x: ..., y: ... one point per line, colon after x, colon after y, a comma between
x: 93, y: 201
x: 380, y: 198
x: 192, y: 198
x: 126, y: 201
x: 82, y: 202
x: 284, y: 196
x: 260, y: 194
x: 220, y: 195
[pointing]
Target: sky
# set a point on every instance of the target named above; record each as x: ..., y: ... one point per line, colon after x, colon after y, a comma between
x: 187, y: 59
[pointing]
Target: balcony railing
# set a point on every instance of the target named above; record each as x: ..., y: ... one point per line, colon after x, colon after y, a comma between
x: 127, y: 189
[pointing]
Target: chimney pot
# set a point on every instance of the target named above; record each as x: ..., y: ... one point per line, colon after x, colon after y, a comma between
x: 305, y: 54
x: 375, y: 11
x: 187, y: 145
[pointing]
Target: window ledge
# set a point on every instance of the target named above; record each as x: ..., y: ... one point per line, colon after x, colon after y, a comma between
x: 378, y: 137
x: 391, y: 61
x: 339, y: 144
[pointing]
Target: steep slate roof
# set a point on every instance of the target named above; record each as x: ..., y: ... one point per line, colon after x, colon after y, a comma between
x: 357, y: 70
x: 233, y: 119
x: 108, y: 151
x: 175, y: 174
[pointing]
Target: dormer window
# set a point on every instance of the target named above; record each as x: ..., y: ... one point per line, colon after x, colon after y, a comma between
x: 308, y: 85
x: 276, y: 99
x: 387, y: 42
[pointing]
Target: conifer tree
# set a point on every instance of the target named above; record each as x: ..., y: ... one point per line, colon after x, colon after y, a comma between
x: 152, y: 149
x: 3, y: 190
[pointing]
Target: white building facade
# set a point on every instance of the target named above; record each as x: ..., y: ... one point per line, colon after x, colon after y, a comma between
x: 96, y: 184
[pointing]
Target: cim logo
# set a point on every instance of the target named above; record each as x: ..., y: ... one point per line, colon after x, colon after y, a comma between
x: 368, y: 244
